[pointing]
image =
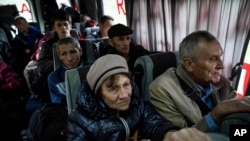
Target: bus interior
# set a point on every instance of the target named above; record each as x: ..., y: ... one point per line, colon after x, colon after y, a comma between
x: 159, y: 26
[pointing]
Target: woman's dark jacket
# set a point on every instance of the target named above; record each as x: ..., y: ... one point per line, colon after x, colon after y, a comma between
x: 92, y: 122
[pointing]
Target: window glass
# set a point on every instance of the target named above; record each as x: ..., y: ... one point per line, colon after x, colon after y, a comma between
x: 60, y: 2
x: 245, y: 74
x: 116, y: 9
x: 22, y: 6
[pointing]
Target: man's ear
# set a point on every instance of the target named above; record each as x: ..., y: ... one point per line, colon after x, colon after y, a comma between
x: 54, y: 28
x: 80, y: 51
x: 110, y: 42
x: 188, y: 64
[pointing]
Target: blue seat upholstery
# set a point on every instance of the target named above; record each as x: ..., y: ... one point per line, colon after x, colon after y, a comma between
x: 73, y: 80
x: 148, y: 67
x: 90, y: 30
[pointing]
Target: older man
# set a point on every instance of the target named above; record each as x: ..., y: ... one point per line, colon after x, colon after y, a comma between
x: 195, y: 93
x: 120, y: 43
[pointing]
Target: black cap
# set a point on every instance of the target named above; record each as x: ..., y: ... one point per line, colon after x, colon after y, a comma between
x: 119, y: 30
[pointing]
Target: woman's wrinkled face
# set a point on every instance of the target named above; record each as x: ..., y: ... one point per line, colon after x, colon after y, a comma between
x: 117, y: 95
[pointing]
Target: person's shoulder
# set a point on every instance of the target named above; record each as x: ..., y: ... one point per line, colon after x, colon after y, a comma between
x: 33, y: 28
x: 50, y: 41
x: 107, y: 50
x: 55, y: 74
x: 140, y: 48
x: 166, y: 76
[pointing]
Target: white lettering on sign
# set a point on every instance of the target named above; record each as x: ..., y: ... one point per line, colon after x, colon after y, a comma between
x: 240, y: 132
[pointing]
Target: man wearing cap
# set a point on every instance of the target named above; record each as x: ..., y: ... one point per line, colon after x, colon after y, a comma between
x: 120, y: 43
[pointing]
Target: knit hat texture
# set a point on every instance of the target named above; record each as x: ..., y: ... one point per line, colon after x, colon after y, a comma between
x: 104, y: 67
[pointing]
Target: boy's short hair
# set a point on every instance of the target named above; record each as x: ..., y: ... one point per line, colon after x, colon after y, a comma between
x: 61, y: 15
x: 104, y: 18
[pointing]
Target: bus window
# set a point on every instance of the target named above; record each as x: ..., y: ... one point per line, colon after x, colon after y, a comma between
x: 22, y: 6
x: 116, y: 9
x: 61, y: 2
x: 244, y: 80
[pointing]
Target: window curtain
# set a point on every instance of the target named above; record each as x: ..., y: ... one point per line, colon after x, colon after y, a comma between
x: 160, y: 25
x: 93, y: 8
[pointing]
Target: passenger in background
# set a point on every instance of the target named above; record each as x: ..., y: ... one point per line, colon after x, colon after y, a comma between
x: 105, y: 23
x: 84, y: 18
x: 69, y: 53
x: 120, y: 43
x: 110, y: 108
x: 61, y: 24
x: 195, y: 94
x: 30, y: 71
x: 25, y: 43
x: 91, y: 23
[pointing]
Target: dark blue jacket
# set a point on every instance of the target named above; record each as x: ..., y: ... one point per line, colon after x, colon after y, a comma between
x: 92, y: 122
x: 56, y: 83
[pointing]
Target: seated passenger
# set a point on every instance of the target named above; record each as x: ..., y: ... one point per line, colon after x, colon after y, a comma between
x: 61, y: 24
x: 195, y: 94
x: 84, y: 18
x: 110, y: 108
x: 120, y: 43
x: 25, y: 42
x: 69, y: 53
x: 105, y: 23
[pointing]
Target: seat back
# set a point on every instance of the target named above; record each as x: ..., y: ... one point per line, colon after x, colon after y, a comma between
x: 148, y: 67
x: 3, y: 36
x: 92, y: 48
x: 73, y: 80
x: 56, y: 61
x: 89, y: 30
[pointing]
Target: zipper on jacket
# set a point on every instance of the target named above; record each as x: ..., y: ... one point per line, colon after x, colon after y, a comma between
x: 126, y: 127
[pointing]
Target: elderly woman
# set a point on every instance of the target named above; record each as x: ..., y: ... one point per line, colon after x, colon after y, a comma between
x: 110, y: 108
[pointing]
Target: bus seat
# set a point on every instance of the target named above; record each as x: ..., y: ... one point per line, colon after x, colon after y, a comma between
x: 3, y: 36
x: 100, y: 44
x: 89, y: 30
x: 148, y: 67
x: 56, y: 61
x: 73, y: 80
x: 79, y: 26
x: 75, y: 33
x: 92, y: 48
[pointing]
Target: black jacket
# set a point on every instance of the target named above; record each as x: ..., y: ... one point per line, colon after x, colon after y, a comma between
x: 135, y: 52
x: 92, y: 122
